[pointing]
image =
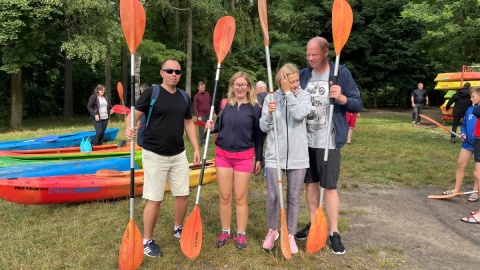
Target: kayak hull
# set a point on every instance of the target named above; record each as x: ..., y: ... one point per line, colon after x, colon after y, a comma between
x: 457, y: 76
x: 82, y: 188
x: 66, y: 168
x: 65, y: 140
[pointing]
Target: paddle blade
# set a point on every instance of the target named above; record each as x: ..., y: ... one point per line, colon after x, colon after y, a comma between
x: 450, y: 195
x: 284, y: 243
x: 317, y: 237
x: 120, y: 90
x: 133, y: 20
x: 223, y: 36
x: 120, y: 109
x: 131, y: 249
x: 342, y: 20
x: 262, y: 13
x: 191, y: 239
x: 199, y: 123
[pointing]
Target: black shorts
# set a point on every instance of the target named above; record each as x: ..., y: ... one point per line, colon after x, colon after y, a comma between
x: 317, y: 166
x: 476, y: 150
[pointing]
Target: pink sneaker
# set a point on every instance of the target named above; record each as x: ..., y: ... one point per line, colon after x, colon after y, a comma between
x: 269, y: 241
x: 293, y: 244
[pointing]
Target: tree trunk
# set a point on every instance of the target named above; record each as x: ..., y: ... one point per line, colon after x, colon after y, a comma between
x: 108, y: 74
x: 16, y: 115
x: 232, y: 6
x: 138, y: 63
x: 188, y: 83
x: 68, y: 91
x: 177, y: 20
x: 125, y: 73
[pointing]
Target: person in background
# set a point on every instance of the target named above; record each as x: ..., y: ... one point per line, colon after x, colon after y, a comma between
x: 351, y: 121
x: 474, y: 217
x: 317, y: 80
x: 291, y: 121
x: 163, y: 155
x: 201, y: 104
x: 261, y: 91
x: 419, y: 97
x: 466, y: 152
x: 239, y: 142
x: 100, y: 110
x: 462, y: 102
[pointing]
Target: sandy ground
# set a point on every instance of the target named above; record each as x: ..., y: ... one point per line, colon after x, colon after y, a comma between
x: 428, y: 231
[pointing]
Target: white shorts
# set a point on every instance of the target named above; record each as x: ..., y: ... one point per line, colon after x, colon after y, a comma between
x: 159, y: 170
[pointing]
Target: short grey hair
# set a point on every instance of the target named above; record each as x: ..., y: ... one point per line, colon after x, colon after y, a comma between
x: 261, y: 84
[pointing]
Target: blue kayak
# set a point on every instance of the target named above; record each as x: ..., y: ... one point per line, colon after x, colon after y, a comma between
x: 54, y: 141
x: 67, y: 167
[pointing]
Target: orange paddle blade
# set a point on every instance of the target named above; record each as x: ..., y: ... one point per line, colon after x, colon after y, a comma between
x: 191, y: 239
x: 133, y: 20
x: 120, y: 90
x: 284, y: 243
x: 223, y: 36
x: 317, y: 237
x: 262, y: 13
x: 435, y: 122
x: 342, y: 20
x: 131, y: 249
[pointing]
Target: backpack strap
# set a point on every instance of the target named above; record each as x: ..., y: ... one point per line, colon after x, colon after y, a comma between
x: 153, y: 99
x: 185, y: 97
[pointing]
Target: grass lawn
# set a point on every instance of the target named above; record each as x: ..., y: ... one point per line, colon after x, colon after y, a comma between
x: 386, y: 150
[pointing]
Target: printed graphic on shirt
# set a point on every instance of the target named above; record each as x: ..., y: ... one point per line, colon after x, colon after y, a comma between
x: 319, y: 95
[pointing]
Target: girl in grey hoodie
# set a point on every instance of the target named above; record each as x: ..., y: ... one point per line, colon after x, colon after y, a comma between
x: 291, y: 106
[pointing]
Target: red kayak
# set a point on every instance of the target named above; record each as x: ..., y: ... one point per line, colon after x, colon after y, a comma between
x: 104, y: 185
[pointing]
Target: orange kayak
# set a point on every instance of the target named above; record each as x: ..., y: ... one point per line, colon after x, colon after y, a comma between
x: 103, y: 185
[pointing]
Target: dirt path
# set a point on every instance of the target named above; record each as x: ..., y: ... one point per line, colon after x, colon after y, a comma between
x: 428, y: 231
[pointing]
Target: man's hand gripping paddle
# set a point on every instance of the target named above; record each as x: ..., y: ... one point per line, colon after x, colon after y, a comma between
x: 191, y: 239
x: 132, y: 17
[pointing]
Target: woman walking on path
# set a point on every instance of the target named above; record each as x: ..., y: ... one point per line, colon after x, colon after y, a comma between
x: 239, y: 142
x: 100, y: 110
x: 291, y: 113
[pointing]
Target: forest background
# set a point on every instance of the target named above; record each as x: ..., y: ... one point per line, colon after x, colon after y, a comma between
x: 54, y: 52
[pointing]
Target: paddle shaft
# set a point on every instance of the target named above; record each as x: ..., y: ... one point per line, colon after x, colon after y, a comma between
x: 132, y: 141
x: 207, y: 139
x: 444, y: 128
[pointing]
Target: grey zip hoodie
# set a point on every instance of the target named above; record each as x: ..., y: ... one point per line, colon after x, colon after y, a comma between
x: 291, y: 117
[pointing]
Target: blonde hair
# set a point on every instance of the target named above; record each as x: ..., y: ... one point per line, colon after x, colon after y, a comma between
x: 286, y: 69
x: 475, y: 90
x: 252, y: 98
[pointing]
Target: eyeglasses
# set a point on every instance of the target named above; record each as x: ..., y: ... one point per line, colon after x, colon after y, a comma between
x: 240, y: 85
x: 170, y: 71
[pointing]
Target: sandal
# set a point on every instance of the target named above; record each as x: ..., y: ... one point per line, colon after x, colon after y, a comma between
x: 470, y: 219
x: 473, y: 198
x: 447, y: 192
x: 473, y: 213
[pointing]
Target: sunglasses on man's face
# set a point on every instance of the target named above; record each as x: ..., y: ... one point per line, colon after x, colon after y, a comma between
x: 170, y: 71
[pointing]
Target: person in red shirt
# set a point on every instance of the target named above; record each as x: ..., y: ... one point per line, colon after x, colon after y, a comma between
x: 201, y: 104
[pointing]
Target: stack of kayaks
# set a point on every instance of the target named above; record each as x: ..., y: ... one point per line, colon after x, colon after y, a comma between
x: 452, y: 82
x: 65, y: 175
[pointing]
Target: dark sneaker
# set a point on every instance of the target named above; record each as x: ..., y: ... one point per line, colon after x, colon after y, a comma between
x: 303, y: 234
x: 178, y: 232
x: 151, y: 249
x: 336, y: 242
x: 222, y: 239
x: 241, y: 241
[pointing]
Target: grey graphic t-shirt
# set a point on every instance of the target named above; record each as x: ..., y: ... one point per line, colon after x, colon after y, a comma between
x: 317, y: 120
